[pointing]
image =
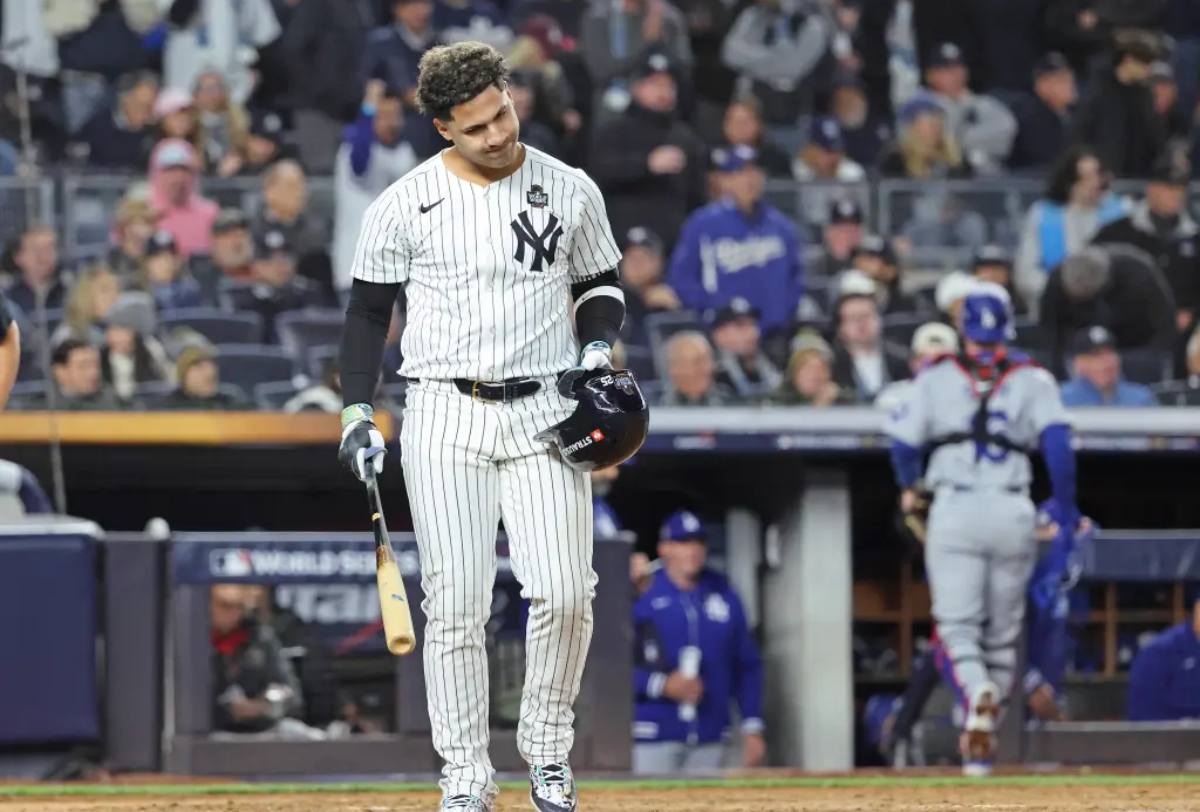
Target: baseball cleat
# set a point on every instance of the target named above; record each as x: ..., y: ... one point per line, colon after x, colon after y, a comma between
x: 467, y: 803
x: 977, y: 742
x: 552, y: 788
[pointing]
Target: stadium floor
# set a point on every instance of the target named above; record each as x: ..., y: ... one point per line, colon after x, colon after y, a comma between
x: 1016, y: 793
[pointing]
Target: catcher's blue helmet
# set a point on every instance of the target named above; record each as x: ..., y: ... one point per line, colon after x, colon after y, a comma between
x: 987, y: 314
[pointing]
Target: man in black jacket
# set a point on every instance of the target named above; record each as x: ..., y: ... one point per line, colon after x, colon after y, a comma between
x: 650, y: 165
x: 121, y: 138
x: 1043, y: 119
x: 1161, y: 226
x: 1112, y: 286
x: 863, y: 363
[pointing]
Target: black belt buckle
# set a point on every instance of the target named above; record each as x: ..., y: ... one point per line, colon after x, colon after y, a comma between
x: 498, y: 391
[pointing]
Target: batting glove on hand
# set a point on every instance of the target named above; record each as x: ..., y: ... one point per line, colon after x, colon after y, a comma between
x: 596, y: 355
x: 362, y: 441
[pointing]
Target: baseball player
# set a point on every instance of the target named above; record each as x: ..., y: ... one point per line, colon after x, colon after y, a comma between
x: 977, y: 416
x: 505, y: 256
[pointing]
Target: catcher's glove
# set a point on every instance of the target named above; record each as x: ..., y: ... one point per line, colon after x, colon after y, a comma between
x: 916, y: 517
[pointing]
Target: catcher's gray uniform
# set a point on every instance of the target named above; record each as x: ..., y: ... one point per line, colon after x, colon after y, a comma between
x: 980, y: 548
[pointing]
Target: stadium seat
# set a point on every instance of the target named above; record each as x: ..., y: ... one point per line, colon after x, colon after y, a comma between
x: 247, y: 365
x: 273, y: 395
x: 218, y: 326
x: 1171, y: 393
x: 300, y: 331
x: 1148, y: 366
x: 899, y: 329
x: 317, y: 360
x: 153, y: 396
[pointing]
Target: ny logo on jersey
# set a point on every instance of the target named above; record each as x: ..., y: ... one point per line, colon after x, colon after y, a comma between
x: 543, y: 245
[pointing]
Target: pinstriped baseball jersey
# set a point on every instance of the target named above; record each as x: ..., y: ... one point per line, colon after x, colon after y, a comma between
x: 487, y: 270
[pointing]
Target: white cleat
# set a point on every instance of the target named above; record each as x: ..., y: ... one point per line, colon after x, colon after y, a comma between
x: 978, y: 741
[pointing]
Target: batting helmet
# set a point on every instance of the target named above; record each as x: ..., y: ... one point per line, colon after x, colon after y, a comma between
x: 987, y: 314
x: 609, y: 424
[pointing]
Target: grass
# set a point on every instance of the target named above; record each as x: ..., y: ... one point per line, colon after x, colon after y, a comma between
x: 814, y: 782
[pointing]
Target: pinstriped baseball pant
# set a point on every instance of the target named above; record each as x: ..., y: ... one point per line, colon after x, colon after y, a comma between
x: 467, y: 465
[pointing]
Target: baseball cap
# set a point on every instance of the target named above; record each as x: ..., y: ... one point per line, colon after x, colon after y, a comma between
x: 654, y: 62
x: 826, y: 133
x: 272, y: 241
x: 172, y: 153
x: 642, y: 237
x: 875, y: 246
x: 171, y: 100
x: 845, y: 211
x: 731, y: 159
x: 855, y: 283
x: 1161, y: 71
x: 945, y: 55
x: 934, y: 336
x: 267, y: 124
x: 953, y: 287
x: 991, y: 255
x: 1173, y: 170
x: 161, y: 242
x: 229, y: 219
x: 919, y: 104
x: 1052, y: 62
x: 683, y: 525
x: 1092, y: 339
x: 735, y: 308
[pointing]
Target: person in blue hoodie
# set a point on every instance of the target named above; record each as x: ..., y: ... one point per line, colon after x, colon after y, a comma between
x: 1164, y: 683
x: 691, y: 613
x: 740, y: 246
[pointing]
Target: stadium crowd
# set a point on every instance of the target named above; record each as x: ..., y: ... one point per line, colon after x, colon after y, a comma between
x: 682, y: 111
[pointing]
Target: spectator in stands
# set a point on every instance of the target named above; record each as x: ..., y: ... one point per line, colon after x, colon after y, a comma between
x: 39, y: 275
x: 875, y: 257
x: 10, y: 351
x: 324, y: 46
x: 808, y: 380
x: 121, y: 137
x: 199, y: 384
x: 175, y: 112
x: 690, y: 373
x: 605, y: 522
x: 642, y: 283
x: 323, y: 396
x: 740, y: 246
x: 285, y: 209
x: 224, y: 126
x: 649, y: 164
x: 266, y: 142
x: 1161, y: 226
x: 690, y: 607
x: 372, y: 157
x: 992, y: 263
x: 943, y: 220
x: 742, y: 366
x: 925, y: 148
x: 776, y: 49
x: 394, y: 50
x: 1074, y: 28
x: 78, y: 386
x: 1113, y: 286
x: 209, y: 35
x: 174, y: 169
x: 164, y: 275
x: 841, y: 235
x: 523, y: 90
x: 274, y: 287
x: 557, y: 80
x: 931, y: 340
x: 1077, y: 204
x: 863, y: 132
x: 232, y: 245
x: 479, y: 20
x: 615, y: 40
x: 981, y: 125
x: 820, y: 164
x: 1117, y: 114
x: 949, y: 294
x: 92, y: 296
x: 1044, y: 118
x: 1175, y: 122
x: 131, y: 355
x: 132, y: 228
x: 1164, y: 682
x: 863, y: 363
x: 254, y: 685
x: 742, y: 126
x: 1096, y: 378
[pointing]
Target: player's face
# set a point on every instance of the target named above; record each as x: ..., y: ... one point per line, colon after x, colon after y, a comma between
x: 484, y: 130
x: 683, y: 559
x: 745, y: 185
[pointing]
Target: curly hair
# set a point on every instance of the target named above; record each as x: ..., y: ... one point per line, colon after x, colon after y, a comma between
x: 453, y: 74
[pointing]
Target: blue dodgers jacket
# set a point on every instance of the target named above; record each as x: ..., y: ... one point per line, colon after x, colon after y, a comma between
x: 1164, y: 683
x: 723, y: 254
x: 666, y: 619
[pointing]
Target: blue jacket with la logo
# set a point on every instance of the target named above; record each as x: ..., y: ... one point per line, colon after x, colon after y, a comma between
x: 666, y: 619
x: 1164, y: 683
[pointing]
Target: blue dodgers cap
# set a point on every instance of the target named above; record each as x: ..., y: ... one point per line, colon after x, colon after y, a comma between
x: 918, y: 105
x: 731, y: 159
x: 826, y: 133
x: 683, y: 525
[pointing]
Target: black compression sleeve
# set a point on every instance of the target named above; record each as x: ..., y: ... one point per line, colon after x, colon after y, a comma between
x: 363, y: 337
x: 601, y: 309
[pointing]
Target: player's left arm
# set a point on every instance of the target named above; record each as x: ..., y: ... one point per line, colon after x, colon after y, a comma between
x: 595, y: 285
x: 748, y: 685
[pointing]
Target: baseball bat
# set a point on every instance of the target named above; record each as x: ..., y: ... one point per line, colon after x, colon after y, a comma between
x: 393, y: 601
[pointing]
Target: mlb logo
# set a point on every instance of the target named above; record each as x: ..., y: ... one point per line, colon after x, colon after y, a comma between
x: 597, y: 435
x: 230, y: 563
x: 536, y: 197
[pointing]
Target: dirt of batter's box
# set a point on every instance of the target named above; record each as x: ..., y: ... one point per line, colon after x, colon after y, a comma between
x: 983, y: 797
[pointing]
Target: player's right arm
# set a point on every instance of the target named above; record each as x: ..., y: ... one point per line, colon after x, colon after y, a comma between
x: 10, y: 351
x: 379, y: 269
